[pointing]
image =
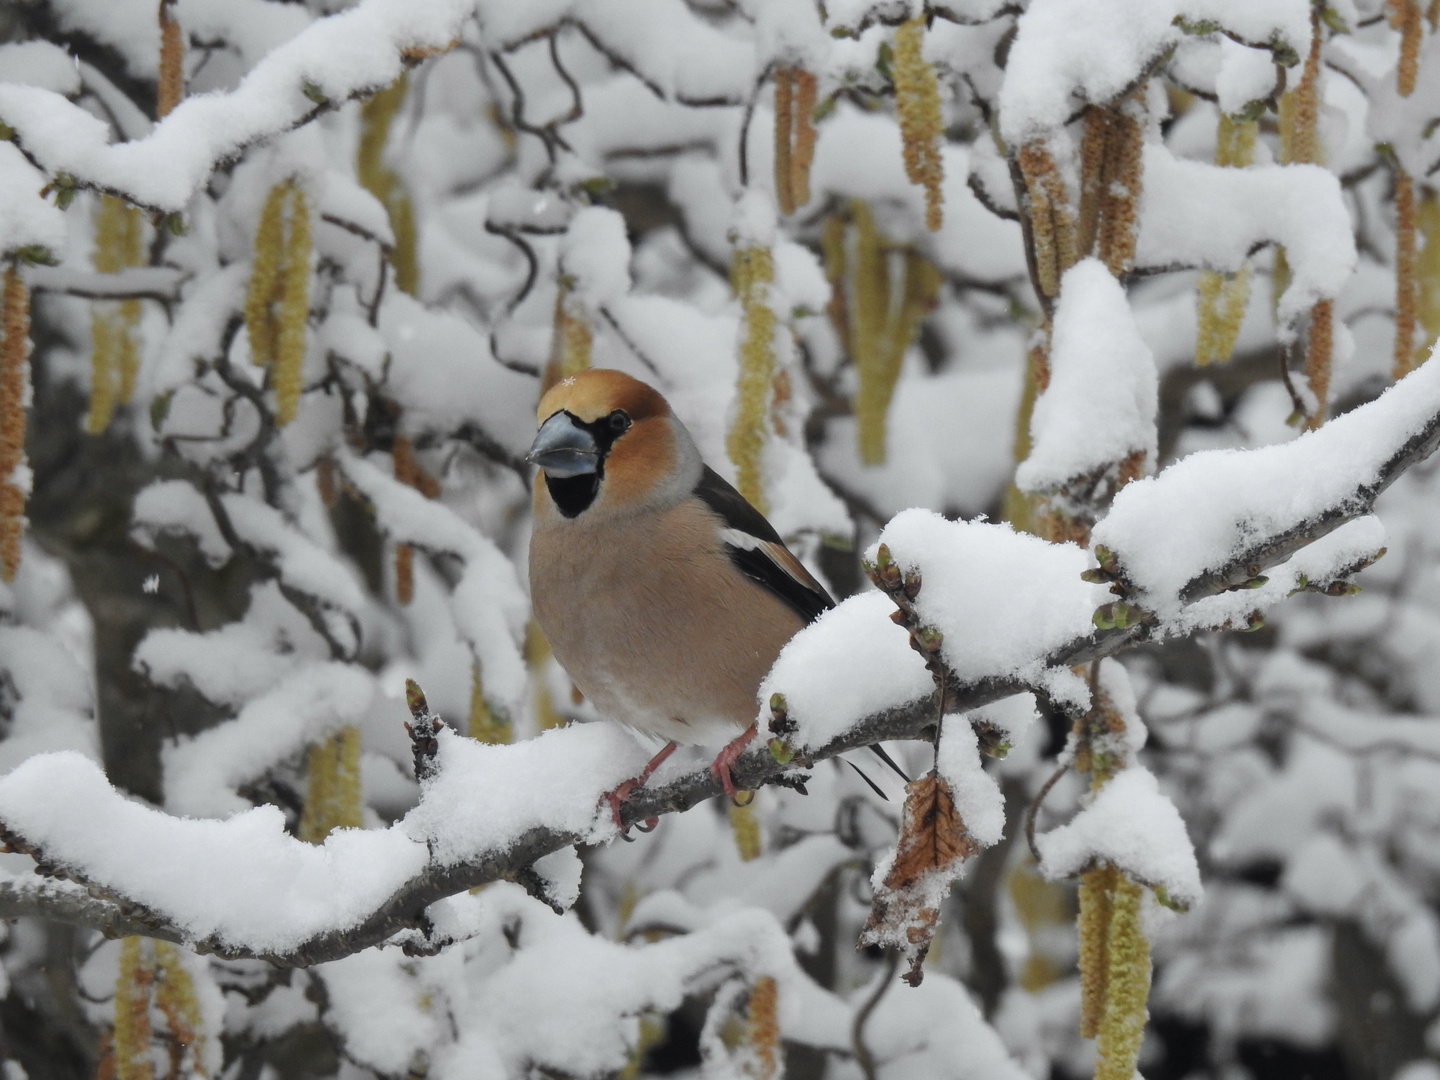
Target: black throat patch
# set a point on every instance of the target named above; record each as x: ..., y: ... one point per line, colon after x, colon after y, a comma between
x: 574, y: 494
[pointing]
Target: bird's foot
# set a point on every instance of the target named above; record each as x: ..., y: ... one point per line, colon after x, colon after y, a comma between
x: 720, y: 767
x: 618, y: 795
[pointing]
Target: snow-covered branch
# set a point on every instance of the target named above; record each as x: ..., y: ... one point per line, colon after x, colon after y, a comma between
x: 512, y: 812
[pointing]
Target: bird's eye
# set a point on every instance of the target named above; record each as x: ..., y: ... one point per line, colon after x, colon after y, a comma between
x: 619, y: 422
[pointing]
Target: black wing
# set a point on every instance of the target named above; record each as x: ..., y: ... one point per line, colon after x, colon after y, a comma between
x: 757, y: 550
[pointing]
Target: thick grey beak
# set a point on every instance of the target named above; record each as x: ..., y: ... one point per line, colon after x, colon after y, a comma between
x: 563, y: 448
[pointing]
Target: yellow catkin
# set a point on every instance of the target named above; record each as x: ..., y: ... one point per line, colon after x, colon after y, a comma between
x: 1300, y: 144
x: 14, y: 352
x: 103, y: 357
x: 1427, y: 219
x: 746, y: 827
x: 115, y: 351
x: 287, y: 373
x: 484, y: 724
x: 132, y: 1010
x: 573, y: 339
x: 1119, y: 194
x: 1405, y: 16
x: 175, y: 997
x: 1223, y: 297
x: 1318, y: 352
x: 1097, y: 887
x: 917, y: 100
x: 1235, y: 141
x: 881, y: 325
x: 537, y: 659
x: 376, y: 117
x: 869, y: 310
x: 1017, y: 507
x: 1407, y: 287
x: 265, y: 275
x: 651, y: 1034
x: 752, y: 269
x: 762, y: 1027
x: 332, y: 788
x: 1041, y: 905
x: 784, y: 119
x: 172, y: 61
x: 1127, y: 985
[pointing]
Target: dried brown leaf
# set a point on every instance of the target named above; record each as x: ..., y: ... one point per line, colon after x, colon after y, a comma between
x: 929, y: 855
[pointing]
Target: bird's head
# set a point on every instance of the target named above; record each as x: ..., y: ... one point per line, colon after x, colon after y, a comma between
x: 610, y: 442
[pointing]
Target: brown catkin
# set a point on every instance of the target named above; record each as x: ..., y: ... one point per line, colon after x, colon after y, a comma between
x: 1407, y: 286
x: 803, y: 155
x: 784, y: 115
x: 172, y: 61
x: 1093, y: 145
x: 132, y: 1010
x: 1317, y: 359
x: 332, y: 791
x: 1052, y: 223
x: 922, y: 127
x: 1405, y: 16
x: 1300, y: 108
x: 762, y: 1027
x: 14, y: 352
x: 1119, y: 213
x: 408, y: 471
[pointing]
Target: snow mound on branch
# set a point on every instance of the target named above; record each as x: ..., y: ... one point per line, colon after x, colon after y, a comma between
x: 1100, y: 405
x: 1068, y: 53
x: 1203, y: 512
x: 977, y: 796
x: 1003, y: 600
x: 245, y: 880
x: 849, y: 663
x: 1131, y: 824
x: 1194, y: 214
x: 25, y: 218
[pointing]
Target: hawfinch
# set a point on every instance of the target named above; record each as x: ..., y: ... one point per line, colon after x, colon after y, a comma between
x: 664, y: 594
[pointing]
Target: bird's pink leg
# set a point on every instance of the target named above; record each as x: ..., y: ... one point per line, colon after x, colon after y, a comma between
x: 720, y: 767
x: 618, y: 795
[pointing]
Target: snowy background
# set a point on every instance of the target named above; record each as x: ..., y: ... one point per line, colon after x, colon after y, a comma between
x: 1112, y: 288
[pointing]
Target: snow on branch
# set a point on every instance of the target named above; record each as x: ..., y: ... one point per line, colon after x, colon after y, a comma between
x: 1005, y: 613
x: 346, y: 55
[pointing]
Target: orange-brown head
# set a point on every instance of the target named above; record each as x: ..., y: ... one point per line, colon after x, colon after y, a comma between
x: 609, y: 443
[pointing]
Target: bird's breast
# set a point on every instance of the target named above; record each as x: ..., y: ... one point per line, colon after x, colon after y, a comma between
x: 654, y: 624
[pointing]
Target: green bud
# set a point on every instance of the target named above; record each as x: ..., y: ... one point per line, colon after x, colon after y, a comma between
x: 415, y: 698
x: 36, y: 254
x: 780, y: 751
x: 312, y: 91
x: 1255, y: 582
x: 160, y: 409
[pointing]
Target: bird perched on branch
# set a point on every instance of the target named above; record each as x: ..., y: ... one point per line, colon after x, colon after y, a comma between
x: 664, y: 594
